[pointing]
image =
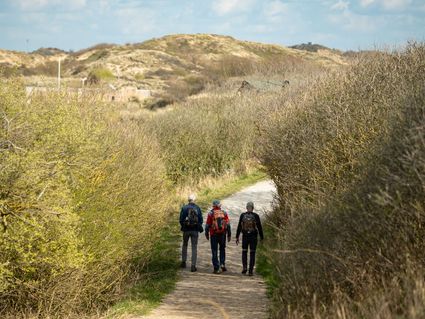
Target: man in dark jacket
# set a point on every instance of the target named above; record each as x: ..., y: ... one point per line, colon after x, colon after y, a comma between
x: 191, y: 225
x: 250, y: 226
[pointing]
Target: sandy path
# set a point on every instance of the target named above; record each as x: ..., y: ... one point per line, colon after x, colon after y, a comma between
x: 228, y: 295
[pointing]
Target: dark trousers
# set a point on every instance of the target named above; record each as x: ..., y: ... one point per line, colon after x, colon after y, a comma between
x: 250, y: 242
x: 218, y: 240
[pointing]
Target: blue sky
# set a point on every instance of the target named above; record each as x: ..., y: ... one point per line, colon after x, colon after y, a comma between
x: 343, y: 24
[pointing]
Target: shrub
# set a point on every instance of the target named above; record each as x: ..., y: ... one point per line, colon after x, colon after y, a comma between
x: 205, y: 136
x: 101, y: 74
x: 80, y: 194
x: 98, y: 55
x: 348, y: 160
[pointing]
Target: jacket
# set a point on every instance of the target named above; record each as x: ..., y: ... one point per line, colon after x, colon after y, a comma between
x: 184, y: 213
x: 210, y: 219
x: 258, y: 231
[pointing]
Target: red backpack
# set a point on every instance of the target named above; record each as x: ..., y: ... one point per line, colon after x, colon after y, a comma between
x: 219, y: 223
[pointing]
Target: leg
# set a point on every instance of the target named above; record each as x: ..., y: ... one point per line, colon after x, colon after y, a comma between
x: 194, y: 241
x: 252, y: 248
x: 184, y: 248
x: 244, y: 254
x: 214, y: 251
x: 222, y: 250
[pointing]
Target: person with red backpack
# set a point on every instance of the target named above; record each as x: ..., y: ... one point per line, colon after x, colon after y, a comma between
x: 217, y: 228
x: 191, y: 225
x: 250, y: 226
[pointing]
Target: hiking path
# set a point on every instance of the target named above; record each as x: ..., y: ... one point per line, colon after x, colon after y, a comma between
x: 205, y: 295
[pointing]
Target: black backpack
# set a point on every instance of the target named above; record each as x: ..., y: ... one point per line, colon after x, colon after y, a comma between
x: 249, y: 224
x: 192, y: 217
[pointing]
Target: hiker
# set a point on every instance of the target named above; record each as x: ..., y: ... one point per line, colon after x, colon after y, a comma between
x: 191, y: 225
x: 250, y: 226
x: 217, y: 228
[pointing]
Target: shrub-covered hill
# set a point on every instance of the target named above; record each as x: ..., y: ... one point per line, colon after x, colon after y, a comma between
x: 157, y: 63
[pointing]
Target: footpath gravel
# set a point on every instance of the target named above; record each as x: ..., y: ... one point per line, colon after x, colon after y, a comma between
x: 205, y: 295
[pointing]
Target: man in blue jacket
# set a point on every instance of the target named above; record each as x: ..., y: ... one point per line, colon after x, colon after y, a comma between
x: 191, y: 225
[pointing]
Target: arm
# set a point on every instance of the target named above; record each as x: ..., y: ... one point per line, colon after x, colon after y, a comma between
x: 182, y: 216
x: 200, y: 218
x: 208, y: 223
x: 229, y: 228
x: 238, y: 231
x: 259, y: 227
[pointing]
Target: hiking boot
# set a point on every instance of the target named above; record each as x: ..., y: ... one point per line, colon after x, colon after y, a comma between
x: 193, y: 269
x: 250, y: 274
x: 244, y: 271
x: 223, y: 268
x: 183, y: 264
x: 217, y: 271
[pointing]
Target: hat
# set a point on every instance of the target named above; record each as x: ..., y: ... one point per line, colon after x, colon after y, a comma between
x: 191, y: 198
x: 250, y: 204
x: 216, y: 202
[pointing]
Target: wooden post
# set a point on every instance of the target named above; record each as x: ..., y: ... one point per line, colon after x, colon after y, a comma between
x: 59, y: 74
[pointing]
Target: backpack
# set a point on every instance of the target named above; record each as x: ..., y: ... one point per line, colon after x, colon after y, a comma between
x: 219, y: 224
x: 192, y: 217
x: 249, y: 224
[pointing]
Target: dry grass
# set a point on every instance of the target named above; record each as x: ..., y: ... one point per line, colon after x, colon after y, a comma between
x: 348, y: 158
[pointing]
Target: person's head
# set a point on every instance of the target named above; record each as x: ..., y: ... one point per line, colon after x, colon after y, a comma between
x: 216, y: 203
x: 191, y: 198
x: 250, y: 206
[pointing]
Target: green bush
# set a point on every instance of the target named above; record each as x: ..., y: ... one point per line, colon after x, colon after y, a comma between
x: 102, y: 74
x: 80, y: 194
x: 205, y: 136
x: 348, y: 159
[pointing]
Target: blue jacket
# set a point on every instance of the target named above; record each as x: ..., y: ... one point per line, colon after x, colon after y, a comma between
x: 183, y: 215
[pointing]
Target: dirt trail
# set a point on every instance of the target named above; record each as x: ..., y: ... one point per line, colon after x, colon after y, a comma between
x: 228, y: 295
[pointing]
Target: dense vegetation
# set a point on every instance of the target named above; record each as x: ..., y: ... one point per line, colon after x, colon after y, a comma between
x: 78, y: 190
x: 348, y: 158
x: 86, y: 194
x: 206, y: 136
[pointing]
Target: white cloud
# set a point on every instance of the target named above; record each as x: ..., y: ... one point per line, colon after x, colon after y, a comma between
x: 261, y: 28
x: 340, y: 5
x: 223, y: 7
x: 275, y: 11
x: 136, y: 22
x: 387, y: 4
x: 365, y: 3
x: 27, y: 5
x: 356, y: 22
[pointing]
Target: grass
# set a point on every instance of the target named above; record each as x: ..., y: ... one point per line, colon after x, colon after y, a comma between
x: 264, y: 264
x: 159, y: 277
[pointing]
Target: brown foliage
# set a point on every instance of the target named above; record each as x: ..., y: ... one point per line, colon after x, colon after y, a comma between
x: 348, y: 159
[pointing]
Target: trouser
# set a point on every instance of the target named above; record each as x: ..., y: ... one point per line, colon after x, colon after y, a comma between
x: 193, y: 235
x: 218, y: 240
x: 250, y: 242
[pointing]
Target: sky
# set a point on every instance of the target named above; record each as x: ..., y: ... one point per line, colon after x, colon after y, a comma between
x: 27, y: 25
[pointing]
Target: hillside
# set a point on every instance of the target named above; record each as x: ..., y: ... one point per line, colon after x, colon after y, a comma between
x: 180, y: 63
